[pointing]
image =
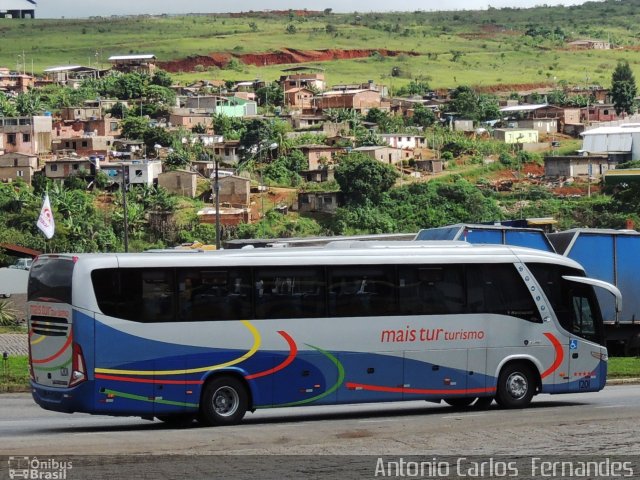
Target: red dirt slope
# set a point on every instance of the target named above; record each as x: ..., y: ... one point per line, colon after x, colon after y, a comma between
x: 284, y: 56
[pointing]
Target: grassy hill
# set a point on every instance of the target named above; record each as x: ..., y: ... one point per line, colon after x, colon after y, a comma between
x: 482, y: 48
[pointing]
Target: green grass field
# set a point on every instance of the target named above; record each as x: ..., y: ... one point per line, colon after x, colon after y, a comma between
x: 483, y: 49
x: 14, y: 375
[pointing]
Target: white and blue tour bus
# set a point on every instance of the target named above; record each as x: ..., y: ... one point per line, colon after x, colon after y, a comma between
x: 212, y: 335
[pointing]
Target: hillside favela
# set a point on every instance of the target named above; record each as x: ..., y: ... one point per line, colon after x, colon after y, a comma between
x: 205, y: 215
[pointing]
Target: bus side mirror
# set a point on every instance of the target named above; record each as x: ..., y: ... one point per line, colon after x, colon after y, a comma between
x: 612, y: 289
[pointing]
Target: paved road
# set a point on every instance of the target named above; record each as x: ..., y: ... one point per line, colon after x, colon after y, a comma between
x: 325, y: 442
x: 604, y: 422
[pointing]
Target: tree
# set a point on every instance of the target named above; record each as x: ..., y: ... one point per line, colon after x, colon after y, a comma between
x: 363, y: 179
x: 423, y: 116
x: 134, y: 128
x: 271, y: 94
x: 162, y: 79
x: 623, y: 88
x: 291, y: 29
x: 7, y: 108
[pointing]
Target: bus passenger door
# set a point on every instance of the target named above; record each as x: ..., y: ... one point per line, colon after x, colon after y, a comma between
x: 584, y: 368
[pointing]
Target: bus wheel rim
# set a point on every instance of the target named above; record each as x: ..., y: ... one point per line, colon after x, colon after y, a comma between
x: 225, y: 401
x: 517, y: 385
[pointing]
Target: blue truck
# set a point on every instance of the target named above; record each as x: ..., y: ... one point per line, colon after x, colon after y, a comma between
x: 612, y: 256
x: 609, y: 255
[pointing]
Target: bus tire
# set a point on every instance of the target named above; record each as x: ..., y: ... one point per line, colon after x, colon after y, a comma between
x: 459, y: 402
x: 224, y: 401
x: 516, y: 386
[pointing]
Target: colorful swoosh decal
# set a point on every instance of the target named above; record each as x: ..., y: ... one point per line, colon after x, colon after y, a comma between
x: 36, y: 341
x: 51, y: 369
x: 417, y: 391
x: 55, y: 355
x: 142, y: 398
x: 559, y: 355
x: 293, y: 351
x: 148, y: 380
x: 335, y: 386
x: 254, y: 348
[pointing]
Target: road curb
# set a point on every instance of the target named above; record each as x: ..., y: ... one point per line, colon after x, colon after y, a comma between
x: 623, y: 381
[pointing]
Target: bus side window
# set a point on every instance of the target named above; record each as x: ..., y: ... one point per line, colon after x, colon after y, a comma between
x: 289, y: 292
x: 209, y: 295
x: 158, y: 299
x: 362, y: 291
x: 431, y: 290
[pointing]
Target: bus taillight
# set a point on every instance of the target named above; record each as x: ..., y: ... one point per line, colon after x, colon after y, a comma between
x: 78, y: 369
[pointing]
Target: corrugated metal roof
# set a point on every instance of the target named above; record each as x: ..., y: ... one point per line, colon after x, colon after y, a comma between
x: 132, y: 57
x: 16, y: 5
x: 610, y: 139
x: 65, y: 68
x: 523, y: 108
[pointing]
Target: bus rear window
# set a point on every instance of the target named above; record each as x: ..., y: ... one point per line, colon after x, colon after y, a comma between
x: 50, y: 280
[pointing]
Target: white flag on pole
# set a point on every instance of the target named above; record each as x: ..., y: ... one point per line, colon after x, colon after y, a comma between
x: 45, y: 220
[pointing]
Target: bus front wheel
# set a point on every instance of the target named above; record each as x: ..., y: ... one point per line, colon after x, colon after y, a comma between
x: 224, y: 401
x: 516, y: 386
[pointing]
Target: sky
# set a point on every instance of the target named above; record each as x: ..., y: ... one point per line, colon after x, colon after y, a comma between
x: 87, y: 8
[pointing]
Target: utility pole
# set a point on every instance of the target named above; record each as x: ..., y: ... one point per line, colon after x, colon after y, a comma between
x: 124, y: 206
x: 217, y: 192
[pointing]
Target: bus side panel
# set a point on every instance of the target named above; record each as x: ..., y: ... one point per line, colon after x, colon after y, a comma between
x: 170, y: 391
x: 84, y: 336
x: 311, y: 378
x: 435, y: 373
x: 366, y: 370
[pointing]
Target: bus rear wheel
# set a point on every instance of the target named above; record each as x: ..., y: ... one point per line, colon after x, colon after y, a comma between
x: 224, y: 402
x: 516, y: 386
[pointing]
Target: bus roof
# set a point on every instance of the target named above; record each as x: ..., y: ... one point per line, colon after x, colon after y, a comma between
x: 339, y: 253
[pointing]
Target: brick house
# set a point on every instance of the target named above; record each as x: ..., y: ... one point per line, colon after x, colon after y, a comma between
x: 319, y: 156
x: 227, y: 151
x: 578, y: 166
x: 542, y: 125
x: 189, y: 118
x: 105, y: 126
x: 359, y: 100
x: 28, y: 135
x: 145, y: 63
x: 84, y: 145
x: 299, y: 98
x: 14, y: 166
x: 304, y: 79
x: 389, y: 155
x: 179, y: 182
x: 65, y: 167
x: 599, y: 113
x: 15, y: 81
x: 234, y: 190
x: 516, y: 135
x: 325, y: 202
x: 397, y: 140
